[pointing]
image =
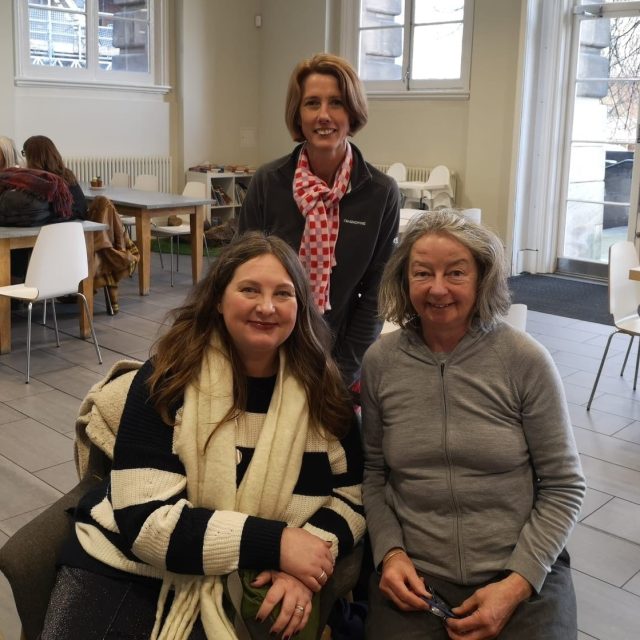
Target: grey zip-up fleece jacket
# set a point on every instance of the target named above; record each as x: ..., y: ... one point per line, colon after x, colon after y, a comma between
x: 369, y: 214
x: 470, y: 461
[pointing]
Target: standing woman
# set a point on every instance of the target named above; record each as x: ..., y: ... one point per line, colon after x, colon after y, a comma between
x: 41, y: 153
x: 339, y: 212
x: 472, y: 478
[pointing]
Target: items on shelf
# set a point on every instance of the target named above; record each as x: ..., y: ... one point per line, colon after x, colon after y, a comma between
x: 209, y: 167
x: 227, y: 188
x: 220, y: 197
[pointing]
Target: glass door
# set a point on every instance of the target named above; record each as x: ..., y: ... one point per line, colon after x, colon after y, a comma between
x: 600, y: 175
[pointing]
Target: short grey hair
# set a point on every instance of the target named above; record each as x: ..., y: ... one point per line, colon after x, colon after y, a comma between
x: 493, y: 296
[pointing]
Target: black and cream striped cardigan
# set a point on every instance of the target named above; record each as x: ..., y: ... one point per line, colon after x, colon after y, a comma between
x: 200, y: 540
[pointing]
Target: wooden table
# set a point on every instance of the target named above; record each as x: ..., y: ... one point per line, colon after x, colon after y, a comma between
x: 144, y: 205
x: 25, y: 238
x: 634, y: 273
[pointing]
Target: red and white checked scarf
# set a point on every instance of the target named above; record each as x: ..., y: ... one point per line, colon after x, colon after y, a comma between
x: 319, y: 205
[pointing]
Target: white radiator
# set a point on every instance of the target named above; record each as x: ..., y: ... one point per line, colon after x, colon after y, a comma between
x: 417, y: 174
x: 87, y: 168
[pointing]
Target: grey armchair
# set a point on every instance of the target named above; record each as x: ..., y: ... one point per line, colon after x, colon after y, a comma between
x: 28, y: 558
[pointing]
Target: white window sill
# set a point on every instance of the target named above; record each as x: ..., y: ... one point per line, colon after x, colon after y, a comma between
x: 418, y: 95
x: 87, y: 84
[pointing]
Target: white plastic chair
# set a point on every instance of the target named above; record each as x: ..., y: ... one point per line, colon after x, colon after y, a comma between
x: 440, y: 180
x: 398, y: 171
x: 120, y: 180
x: 624, y: 299
x: 146, y: 182
x: 517, y: 316
x: 58, y: 263
x: 194, y: 190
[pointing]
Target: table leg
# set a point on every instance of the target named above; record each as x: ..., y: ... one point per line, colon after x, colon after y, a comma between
x: 5, y: 303
x: 86, y: 288
x: 143, y: 240
x: 196, y: 221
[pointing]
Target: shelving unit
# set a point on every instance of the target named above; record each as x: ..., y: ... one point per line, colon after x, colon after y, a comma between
x: 227, y: 188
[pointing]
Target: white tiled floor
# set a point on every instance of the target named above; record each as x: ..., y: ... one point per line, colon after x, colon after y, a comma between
x: 36, y: 430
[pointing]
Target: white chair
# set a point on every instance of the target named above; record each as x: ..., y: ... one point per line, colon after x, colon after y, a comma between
x: 194, y: 190
x: 624, y: 299
x: 398, y: 171
x: 146, y: 182
x: 58, y: 263
x: 440, y: 179
x: 517, y: 316
x: 120, y: 180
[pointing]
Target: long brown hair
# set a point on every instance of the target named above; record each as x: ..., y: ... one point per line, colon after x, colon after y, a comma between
x: 41, y: 153
x: 178, y: 354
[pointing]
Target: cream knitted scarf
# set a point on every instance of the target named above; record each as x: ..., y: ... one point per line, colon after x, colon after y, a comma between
x: 207, y: 447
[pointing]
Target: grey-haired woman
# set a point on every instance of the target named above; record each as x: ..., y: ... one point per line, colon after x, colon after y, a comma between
x: 472, y: 478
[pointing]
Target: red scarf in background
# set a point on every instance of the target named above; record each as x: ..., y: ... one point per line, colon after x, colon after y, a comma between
x: 319, y: 205
x: 39, y: 184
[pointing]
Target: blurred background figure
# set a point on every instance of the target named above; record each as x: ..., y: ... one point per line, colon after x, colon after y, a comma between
x: 40, y: 153
x: 9, y: 156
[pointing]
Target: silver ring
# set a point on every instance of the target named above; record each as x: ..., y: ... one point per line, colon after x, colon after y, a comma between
x: 299, y: 610
x: 321, y: 577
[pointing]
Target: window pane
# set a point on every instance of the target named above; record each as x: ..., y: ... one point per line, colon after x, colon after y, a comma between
x: 381, y: 54
x: 77, y: 4
x: 438, y: 10
x: 378, y: 13
x: 57, y: 38
x: 437, y: 52
x: 123, y: 35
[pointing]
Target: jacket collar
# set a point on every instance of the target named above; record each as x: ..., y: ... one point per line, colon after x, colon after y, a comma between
x: 360, y: 174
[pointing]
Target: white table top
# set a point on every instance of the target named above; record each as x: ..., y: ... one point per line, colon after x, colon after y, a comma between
x: 143, y: 199
x: 412, y: 184
x: 26, y: 232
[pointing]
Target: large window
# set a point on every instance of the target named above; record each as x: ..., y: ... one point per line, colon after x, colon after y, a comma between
x: 90, y: 41
x: 409, y: 46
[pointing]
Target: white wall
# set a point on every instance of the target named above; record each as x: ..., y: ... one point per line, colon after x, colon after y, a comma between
x: 472, y: 137
x: 218, y: 87
x: 230, y: 76
x: 89, y: 122
x: 292, y: 30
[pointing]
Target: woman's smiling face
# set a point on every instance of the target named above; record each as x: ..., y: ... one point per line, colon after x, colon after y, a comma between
x: 324, y: 119
x: 443, y: 285
x: 259, y: 309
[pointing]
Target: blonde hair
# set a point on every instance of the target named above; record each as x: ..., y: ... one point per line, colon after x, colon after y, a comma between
x: 9, y: 156
x: 351, y: 91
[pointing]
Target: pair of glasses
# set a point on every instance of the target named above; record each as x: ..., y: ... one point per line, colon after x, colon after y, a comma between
x: 438, y: 606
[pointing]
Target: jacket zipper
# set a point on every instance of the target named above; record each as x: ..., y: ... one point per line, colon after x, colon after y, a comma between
x: 450, y: 473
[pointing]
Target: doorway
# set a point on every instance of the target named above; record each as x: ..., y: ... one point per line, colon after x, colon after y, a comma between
x: 599, y: 185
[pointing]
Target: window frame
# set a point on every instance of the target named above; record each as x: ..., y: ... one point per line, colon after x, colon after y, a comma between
x: 407, y: 88
x: 152, y: 81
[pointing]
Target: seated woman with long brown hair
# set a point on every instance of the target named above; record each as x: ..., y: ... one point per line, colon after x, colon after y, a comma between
x: 236, y: 451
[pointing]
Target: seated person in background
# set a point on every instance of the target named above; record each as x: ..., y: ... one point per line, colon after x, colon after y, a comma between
x: 41, y: 153
x: 116, y: 255
x: 31, y: 198
x: 236, y: 451
x: 472, y: 478
x: 8, y: 153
